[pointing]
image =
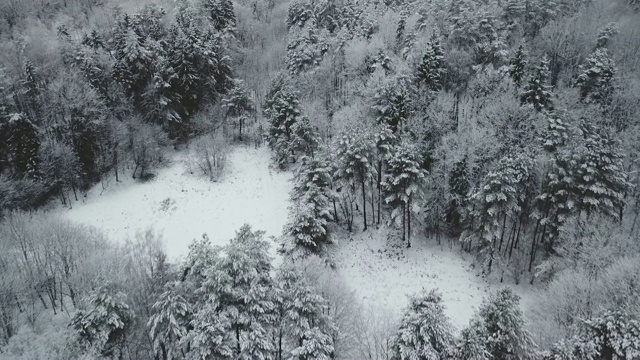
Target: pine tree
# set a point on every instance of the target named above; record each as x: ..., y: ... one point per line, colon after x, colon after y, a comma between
x: 539, y: 13
x: 104, y: 325
x: 169, y: 323
x: 238, y: 105
x: 299, y: 13
x: 517, y: 66
x: 400, y: 30
x: 459, y: 186
x: 425, y: 331
x: 402, y: 182
x: 503, y: 195
x: 605, y: 34
x: 93, y: 40
x: 303, y: 330
x: 471, y: 343
x: 497, y: 331
x: 393, y: 105
x: 60, y: 168
x: 596, y: 78
x: 514, y: 11
x: 233, y: 307
x: 536, y: 92
x: 133, y: 61
x: 5, y: 108
x: 612, y: 335
x: 432, y: 68
x: 220, y: 13
x: 601, y: 180
x: 355, y: 152
x: 23, y: 144
x: 585, y: 177
x: 310, y: 212
x: 32, y: 87
x: 281, y: 109
x: 304, y: 140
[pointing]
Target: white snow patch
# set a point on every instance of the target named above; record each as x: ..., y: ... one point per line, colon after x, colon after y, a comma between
x: 383, y: 276
x: 182, y: 206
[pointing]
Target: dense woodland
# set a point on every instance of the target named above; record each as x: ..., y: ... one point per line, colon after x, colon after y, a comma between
x: 505, y: 129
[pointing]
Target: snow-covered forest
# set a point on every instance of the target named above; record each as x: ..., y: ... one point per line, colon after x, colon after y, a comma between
x: 320, y: 179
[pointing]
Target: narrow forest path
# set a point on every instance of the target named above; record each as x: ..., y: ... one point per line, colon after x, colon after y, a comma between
x: 181, y: 207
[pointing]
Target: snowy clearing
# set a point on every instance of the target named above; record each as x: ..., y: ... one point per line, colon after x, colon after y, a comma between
x: 181, y: 206
x: 384, y: 272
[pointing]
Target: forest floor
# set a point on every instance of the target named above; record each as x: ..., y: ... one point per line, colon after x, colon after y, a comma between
x: 181, y: 206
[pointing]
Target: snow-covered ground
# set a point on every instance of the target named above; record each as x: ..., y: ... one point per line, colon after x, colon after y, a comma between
x: 384, y: 272
x: 182, y: 206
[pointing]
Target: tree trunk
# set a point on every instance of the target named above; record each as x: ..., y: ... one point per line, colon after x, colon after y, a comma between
x: 280, y: 345
x: 532, y: 255
x: 379, y: 188
x: 504, y: 225
x: 238, y: 339
x: 364, y: 207
x: 115, y: 163
x: 404, y: 222
x: 409, y: 223
x: 373, y: 207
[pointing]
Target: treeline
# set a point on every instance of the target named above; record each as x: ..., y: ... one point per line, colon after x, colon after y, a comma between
x: 507, y: 128
x: 77, y: 102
